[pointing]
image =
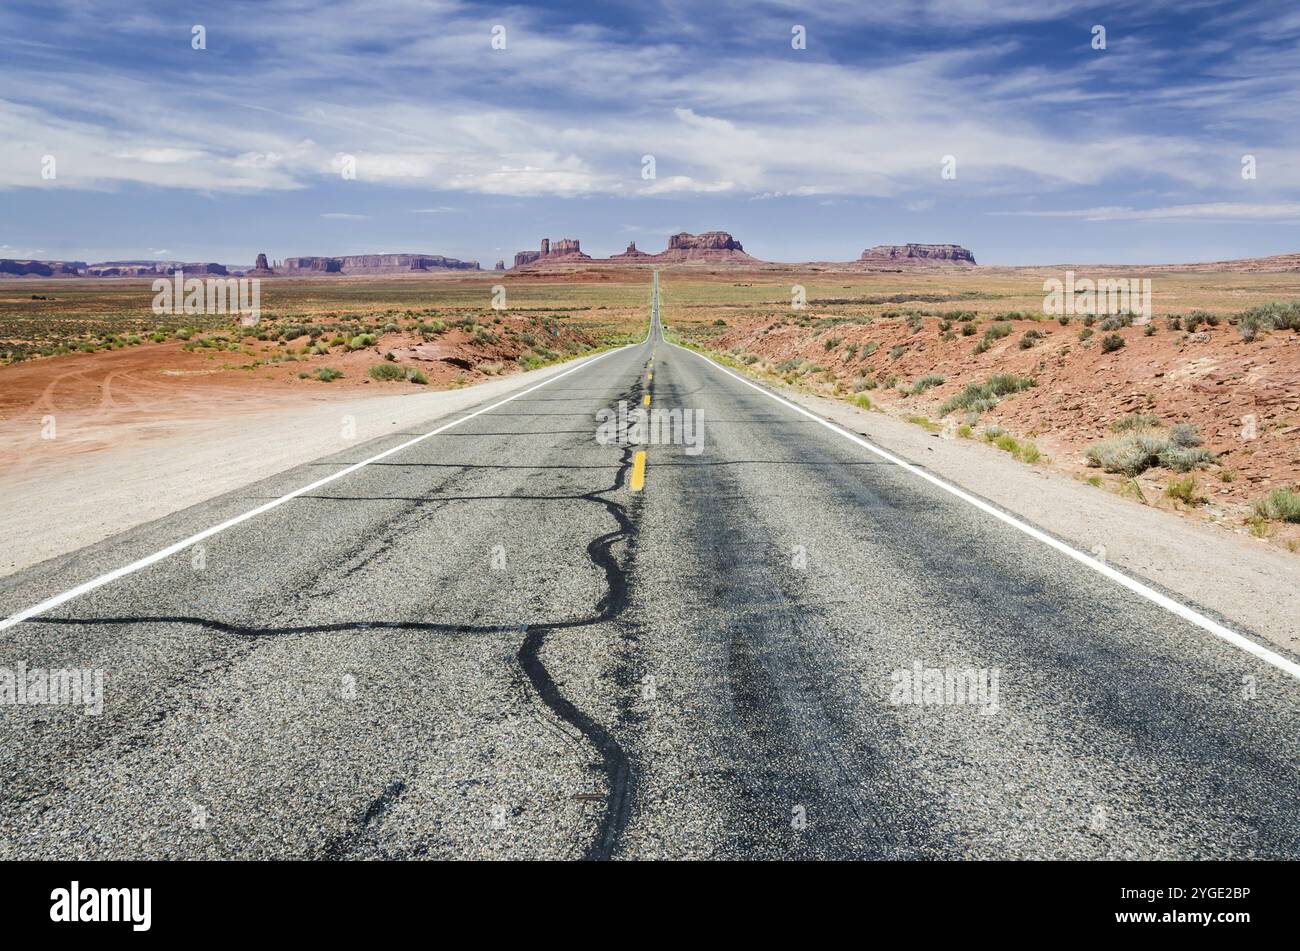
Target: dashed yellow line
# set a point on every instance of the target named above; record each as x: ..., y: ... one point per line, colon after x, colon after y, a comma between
x: 638, y: 471
x: 645, y: 400
x: 649, y: 377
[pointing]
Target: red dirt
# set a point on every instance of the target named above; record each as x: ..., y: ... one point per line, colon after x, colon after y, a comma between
x: 1212, y: 379
x: 148, y: 391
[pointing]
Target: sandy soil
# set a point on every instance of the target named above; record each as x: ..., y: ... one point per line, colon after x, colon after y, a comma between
x: 152, y: 443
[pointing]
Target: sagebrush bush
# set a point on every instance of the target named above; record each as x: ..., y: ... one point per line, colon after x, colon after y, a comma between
x: 1111, y: 342
x: 387, y: 371
x: 927, y: 381
x: 1280, y: 505
x: 1265, y: 317
x: 979, y: 397
x: 1137, y: 450
x: 1135, y: 421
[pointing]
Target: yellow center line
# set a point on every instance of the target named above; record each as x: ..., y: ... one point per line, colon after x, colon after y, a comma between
x: 638, y: 471
x: 645, y: 400
x: 649, y: 377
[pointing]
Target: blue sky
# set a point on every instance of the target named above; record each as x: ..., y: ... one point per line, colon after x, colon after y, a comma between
x: 1063, y: 153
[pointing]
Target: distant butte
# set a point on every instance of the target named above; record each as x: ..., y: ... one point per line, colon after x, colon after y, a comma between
x: 565, y: 249
x: 914, y: 255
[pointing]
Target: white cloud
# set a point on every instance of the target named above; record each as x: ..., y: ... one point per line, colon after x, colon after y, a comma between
x: 1206, y: 211
x: 752, y: 123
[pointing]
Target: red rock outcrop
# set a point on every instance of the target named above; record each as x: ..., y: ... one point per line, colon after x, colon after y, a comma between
x: 312, y: 265
x: 376, y: 264
x: 41, y: 268
x: 912, y: 254
x: 563, y: 250
x: 632, y: 254
x: 710, y: 247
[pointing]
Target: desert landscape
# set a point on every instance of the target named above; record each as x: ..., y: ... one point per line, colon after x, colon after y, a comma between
x: 1196, y: 410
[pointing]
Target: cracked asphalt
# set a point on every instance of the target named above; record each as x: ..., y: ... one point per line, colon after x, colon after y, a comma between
x: 487, y: 645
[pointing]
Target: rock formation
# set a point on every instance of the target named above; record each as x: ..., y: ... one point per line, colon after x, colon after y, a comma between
x: 261, y: 267
x: 917, y: 253
x: 632, y: 254
x: 376, y: 264
x: 712, y: 246
x: 41, y: 268
x: 564, y: 249
x: 501, y: 266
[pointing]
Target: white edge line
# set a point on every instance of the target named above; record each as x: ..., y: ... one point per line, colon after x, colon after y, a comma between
x: 1137, y: 587
x: 50, y: 603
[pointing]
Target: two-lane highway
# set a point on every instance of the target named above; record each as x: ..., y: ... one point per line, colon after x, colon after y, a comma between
x: 494, y: 642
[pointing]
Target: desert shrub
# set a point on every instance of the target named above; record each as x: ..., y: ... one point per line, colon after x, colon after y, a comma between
x: 968, y: 329
x: 328, y: 374
x: 1030, y: 453
x: 1184, y: 490
x: 1085, y: 333
x: 830, y: 343
x: 1029, y: 338
x: 1111, y: 342
x: 863, y: 383
x: 1007, y: 443
x: 387, y: 372
x: 1266, y: 317
x: 927, y: 381
x: 979, y: 397
x: 898, y: 351
x: 1134, y: 421
x: 1130, y: 454
x: 965, y: 430
x: 1149, y: 330
x: 1185, y: 435
x: 1140, y: 449
x: 416, y: 376
x: 361, y: 341
x: 1280, y: 505
x: 991, y: 433
x: 862, y: 400
x: 1184, y: 458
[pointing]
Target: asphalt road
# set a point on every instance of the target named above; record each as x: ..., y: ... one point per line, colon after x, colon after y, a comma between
x: 488, y: 644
